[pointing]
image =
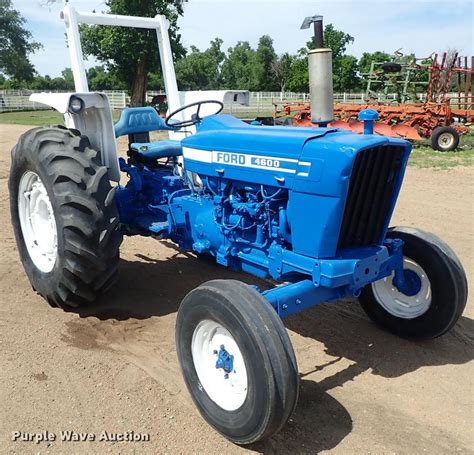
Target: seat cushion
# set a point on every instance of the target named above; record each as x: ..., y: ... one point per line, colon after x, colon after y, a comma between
x: 139, y: 120
x: 159, y: 149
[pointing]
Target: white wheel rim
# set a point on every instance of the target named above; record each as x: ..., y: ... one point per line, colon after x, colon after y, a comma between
x: 227, y: 390
x: 37, y: 222
x: 446, y: 140
x: 399, y: 304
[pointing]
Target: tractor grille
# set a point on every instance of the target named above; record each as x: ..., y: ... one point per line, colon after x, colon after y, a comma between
x: 373, y: 180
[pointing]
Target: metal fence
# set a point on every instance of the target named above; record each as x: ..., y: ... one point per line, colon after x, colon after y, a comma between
x: 18, y: 100
x: 261, y: 103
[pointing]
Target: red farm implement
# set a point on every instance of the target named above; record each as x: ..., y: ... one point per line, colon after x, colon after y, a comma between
x: 442, y: 114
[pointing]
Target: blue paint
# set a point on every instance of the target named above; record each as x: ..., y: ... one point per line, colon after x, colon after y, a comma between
x: 224, y: 360
x: 368, y: 116
x: 271, y: 203
x: 139, y: 120
x: 157, y: 150
x: 409, y: 283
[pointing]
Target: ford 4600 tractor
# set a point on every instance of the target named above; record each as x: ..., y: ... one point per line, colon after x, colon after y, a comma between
x: 307, y: 207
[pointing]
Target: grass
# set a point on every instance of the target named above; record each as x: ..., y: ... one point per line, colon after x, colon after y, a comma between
x: 46, y: 117
x: 36, y: 118
x: 425, y: 157
x: 244, y: 114
x: 422, y: 156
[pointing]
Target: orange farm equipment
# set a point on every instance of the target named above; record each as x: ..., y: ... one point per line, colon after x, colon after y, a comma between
x: 442, y: 117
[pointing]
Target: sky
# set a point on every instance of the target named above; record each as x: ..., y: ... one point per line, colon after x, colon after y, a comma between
x: 418, y: 26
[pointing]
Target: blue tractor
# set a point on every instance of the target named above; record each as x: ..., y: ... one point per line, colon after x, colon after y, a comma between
x: 308, y: 208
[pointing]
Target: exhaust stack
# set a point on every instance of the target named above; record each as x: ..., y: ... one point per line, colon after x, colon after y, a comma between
x: 320, y: 75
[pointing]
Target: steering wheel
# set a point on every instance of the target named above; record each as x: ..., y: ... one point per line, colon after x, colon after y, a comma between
x: 195, y: 118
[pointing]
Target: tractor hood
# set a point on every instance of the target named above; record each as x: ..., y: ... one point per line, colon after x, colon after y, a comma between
x: 229, y: 134
x: 310, y: 160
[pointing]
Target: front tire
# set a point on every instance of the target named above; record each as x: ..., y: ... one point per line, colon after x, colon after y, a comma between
x: 64, y: 216
x: 227, y: 321
x: 442, y: 289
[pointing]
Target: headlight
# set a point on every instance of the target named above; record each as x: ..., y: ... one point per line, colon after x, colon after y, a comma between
x: 76, y: 105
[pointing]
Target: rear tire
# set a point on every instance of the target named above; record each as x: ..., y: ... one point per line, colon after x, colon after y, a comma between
x: 444, y: 139
x: 439, y: 303
x: 76, y: 214
x: 260, y: 391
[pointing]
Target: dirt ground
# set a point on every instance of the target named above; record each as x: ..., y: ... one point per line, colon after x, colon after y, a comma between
x: 114, y: 368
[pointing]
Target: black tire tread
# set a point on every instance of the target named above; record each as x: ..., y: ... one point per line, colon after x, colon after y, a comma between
x: 440, y: 130
x: 281, y: 343
x: 273, y: 341
x: 89, y: 218
x: 454, y: 263
x: 454, y: 279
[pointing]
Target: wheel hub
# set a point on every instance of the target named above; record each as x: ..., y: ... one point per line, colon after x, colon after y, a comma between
x: 411, y: 283
x: 37, y: 221
x: 224, y: 360
x: 413, y: 301
x: 446, y: 140
x: 219, y: 365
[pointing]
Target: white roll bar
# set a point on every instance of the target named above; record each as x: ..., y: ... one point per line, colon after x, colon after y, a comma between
x: 96, y: 121
x: 160, y: 23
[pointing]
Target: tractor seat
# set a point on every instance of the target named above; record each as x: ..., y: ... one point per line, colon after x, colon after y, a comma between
x: 135, y: 120
x: 161, y: 149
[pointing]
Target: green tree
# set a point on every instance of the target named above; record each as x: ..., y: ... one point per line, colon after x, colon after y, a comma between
x: 44, y: 83
x: 281, y: 68
x: 201, y: 70
x: 132, y: 53
x: 15, y: 44
x: 66, y: 73
x: 155, y: 81
x: 298, y: 78
x: 346, y: 77
x: 238, y: 69
x: 101, y: 79
x: 344, y: 66
x: 335, y: 40
x: 265, y: 58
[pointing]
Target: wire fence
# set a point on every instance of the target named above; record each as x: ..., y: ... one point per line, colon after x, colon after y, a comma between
x: 261, y: 103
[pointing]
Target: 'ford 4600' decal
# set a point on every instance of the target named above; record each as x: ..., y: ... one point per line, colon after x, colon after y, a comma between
x: 256, y: 161
x: 273, y: 163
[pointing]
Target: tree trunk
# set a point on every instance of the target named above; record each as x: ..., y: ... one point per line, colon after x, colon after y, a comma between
x: 139, y: 84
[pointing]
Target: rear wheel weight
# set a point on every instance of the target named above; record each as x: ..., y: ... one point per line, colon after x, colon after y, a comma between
x: 64, y: 216
x: 255, y: 395
x: 442, y: 294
